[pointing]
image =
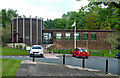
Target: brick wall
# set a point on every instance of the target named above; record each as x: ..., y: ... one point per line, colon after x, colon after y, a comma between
x: 92, y: 44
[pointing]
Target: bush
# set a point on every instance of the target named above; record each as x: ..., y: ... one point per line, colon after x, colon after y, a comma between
x: 20, y: 46
x: 17, y: 46
x: 14, y: 45
x: 25, y: 47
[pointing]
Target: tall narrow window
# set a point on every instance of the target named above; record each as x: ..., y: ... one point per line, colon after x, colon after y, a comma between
x: 85, y: 37
x: 67, y: 36
x: 58, y: 36
x: 77, y: 36
x: 93, y: 36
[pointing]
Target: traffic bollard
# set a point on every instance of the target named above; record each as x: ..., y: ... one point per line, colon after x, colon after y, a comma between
x: 63, y: 59
x: 33, y: 57
x: 107, y: 66
x: 83, y: 62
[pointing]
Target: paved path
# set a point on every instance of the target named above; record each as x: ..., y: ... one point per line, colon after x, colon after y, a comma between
x: 48, y: 55
x: 29, y: 68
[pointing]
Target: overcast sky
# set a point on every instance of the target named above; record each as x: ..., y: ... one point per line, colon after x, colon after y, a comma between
x: 43, y: 8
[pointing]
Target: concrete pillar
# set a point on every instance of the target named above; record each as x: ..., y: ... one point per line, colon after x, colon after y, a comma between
x: 17, y: 30
x: 12, y: 30
x: 23, y: 29
x: 30, y: 31
x: 36, y: 31
x: 41, y: 30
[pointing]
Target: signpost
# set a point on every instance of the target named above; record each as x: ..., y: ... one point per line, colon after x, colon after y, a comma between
x: 28, y: 49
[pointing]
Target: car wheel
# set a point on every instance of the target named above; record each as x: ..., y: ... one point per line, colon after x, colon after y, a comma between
x: 77, y: 56
x: 41, y: 55
x: 73, y: 55
x: 86, y: 57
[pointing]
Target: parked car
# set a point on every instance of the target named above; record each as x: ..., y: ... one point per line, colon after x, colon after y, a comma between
x: 117, y: 55
x: 37, y: 49
x: 80, y: 52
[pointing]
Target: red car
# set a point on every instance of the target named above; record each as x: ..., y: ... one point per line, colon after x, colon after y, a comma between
x: 80, y: 52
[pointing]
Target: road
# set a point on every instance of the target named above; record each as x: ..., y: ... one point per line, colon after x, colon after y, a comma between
x: 92, y: 62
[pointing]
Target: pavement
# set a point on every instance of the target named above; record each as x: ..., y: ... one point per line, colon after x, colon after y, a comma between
x: 48, y: 55
x: 29, y: 68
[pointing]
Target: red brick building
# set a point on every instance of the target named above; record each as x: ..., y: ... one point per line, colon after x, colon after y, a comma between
x: 30, y: 32
x: 91, y: 39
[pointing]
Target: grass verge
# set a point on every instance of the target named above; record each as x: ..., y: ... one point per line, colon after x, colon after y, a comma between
x: 106, y: 52
x: 12, y: 51
x: 10, y: 66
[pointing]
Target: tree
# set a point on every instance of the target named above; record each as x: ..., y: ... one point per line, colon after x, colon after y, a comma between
x: 49, y: 24
x: 6, y: 32
x: 114, y: 40
x: 0, y: 27
x: 7, y: 15
x: 91, y: 22
x: 60, y: 23
x: 105, y: 26
x: 6, y: 24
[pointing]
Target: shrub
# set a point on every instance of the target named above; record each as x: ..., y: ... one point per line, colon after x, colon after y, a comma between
x: 25, y: 47
x: 13, y: 45
x: 20, y: 46
x: 17, y: 46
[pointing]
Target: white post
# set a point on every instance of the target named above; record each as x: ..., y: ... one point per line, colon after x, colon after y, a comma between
x: 17, y: 29
x: 75, y: 38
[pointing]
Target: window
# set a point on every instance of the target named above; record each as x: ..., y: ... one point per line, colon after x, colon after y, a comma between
x: 36, y: 48
x: 93, y: 36
x: 58, y: 36
x: 83, y: 50
x: 77, y: 36
x: 76, y: 49
x: 47, y: 38
x: 85, y: 36
x: 67, y: 36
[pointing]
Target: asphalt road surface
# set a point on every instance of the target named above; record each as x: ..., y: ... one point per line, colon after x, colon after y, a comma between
x: 98, y: 63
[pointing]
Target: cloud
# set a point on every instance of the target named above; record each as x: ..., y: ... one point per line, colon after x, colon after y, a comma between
x: 43, y: 8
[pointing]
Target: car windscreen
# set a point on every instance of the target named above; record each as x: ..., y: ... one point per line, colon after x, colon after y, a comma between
x: 36, y: 48
x: 83, y: 50
x: 76, y: 49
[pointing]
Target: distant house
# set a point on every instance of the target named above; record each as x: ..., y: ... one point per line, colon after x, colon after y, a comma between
x: 30, y: 31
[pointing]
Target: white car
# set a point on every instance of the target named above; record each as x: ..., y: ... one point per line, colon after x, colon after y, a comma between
x: 37, y: 50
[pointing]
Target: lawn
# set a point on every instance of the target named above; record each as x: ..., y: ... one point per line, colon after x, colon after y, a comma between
x: 12, y: 51
x: 10, y: 66
x: 106, y: 52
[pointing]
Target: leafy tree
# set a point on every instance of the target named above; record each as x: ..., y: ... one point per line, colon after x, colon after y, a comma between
x: 0, y: 27
x: 49, y: 24
x: 105, y: 26
x: 7, y: 15
x: 60, y: 23
x: 91, y: 22
x: 6, y: 34
x: 6, y: 24
x: 4, y: 18
x: 114, y: 40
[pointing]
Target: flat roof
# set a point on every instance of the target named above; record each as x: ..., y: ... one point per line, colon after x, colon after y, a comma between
x: 78, y: 30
